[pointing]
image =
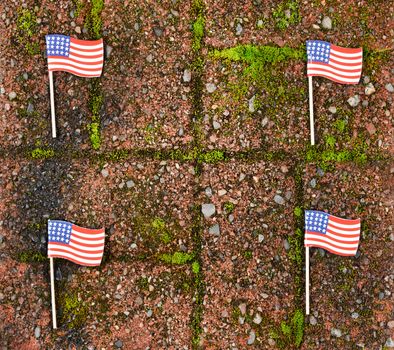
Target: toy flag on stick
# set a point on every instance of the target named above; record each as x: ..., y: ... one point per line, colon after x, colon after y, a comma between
x: 342, y: 65
x: 83, y: 58
x: 338, y: 236
x: 68, y: 241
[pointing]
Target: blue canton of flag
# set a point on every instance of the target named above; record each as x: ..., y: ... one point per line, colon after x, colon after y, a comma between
x: 316, y: 221
x: 58, y: 45
x: 318, y: 51
x: 59, y: 231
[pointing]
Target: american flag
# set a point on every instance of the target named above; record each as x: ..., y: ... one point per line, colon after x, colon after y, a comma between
x: 336, y: 63
x: 338, y: 236
x: 81, y: 245
x: 80, y: 57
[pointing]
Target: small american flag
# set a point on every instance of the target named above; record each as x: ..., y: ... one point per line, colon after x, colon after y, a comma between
x: 81, y: 245
x: 336, y: 63
x: 80, y: 57
x: 338, y: 236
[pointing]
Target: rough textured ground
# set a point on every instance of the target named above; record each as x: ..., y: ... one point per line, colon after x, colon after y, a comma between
x: 200, y: 172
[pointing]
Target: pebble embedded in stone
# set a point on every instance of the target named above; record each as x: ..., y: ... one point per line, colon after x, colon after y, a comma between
x: 312, y: 183
x: 158, y: 31
x: 214, y: 230
x: 286, y: 244
x: 252, y: 337
x: 208, y: 210
x: 119, y: 344
x: 216, y: 125
x: 355, y: 315
x: 105, y: 172
x: 222, y: 192
x: 149, y: 313
x: 187, y: 75
x: 257, y: 319
x: 251, y: 104
x: 208, y: 192
x: 369, y: 89
x: 279, y: 199
x: 12, y: 95
x: 389, y: 87
x: 326, y: 22
x: 211, y: 87
x: 389, y: 343
x: 130, y: 184
x: 370, y: 128
x: 238, y: 29
x: 336, y: 332
x: 260, y: 238
x: 332, y: 109
x: 37, y: 332
x: 312, y: 321
x: 354, y: 101
x: 242, y: 308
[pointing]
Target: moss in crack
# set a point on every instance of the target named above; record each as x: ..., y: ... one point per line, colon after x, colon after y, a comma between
x: 95, y: 105
x: 286, y: 13
x: 177, y: 258
x: 27, y: 29
x: 30, y: 256
x: 93, y: 19
x: 73, y: 311
x: 290, y: 334
x: 198, y: 26
x: 39, y: 153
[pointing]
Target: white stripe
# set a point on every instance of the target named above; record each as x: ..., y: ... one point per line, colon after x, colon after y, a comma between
x: 312, y: 66
x: 80, y: 260
x: 80, y: 65
x: 347, y: 60
x: 87, y: 54
x: 87, y: 59
x: 76, y: 245
x: 85, y: 241
x: 319, y: 72
x: 341, y: 66
x: 86, y: 47
x: 343, y: 232
x: 71, y: 250
x: 80, y: 71
x: 342, y: 251
x: 350, y: 239
x: 355, y: 226
x: 355, y: 54
x: 311, y: 236
x: 89, y: 235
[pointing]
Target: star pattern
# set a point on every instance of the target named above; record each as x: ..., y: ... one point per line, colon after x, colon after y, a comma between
x: 58, y: 45
x: 316, y: 221
x: 59, y: 231
x: 318, y: 51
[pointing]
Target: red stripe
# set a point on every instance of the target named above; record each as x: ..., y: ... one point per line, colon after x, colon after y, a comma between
x: 328, y: 242
x: 337, y: 74
x: 86, y: 42
x: 331, y: 78
x: 329, y: 250
x: 100, y: 56
x: 92, y: 239
x: 75, y: 73
x: 343, y: 235
x: 87, y: 230
x: 344, y: 221
x: 345, y: 64
x: 77, y: 61
x: 73, y: 260
x: 73, y: 66
x: 347, y: 229
x: 86, y: 50
x: 72, y: 253
x: 333, y: 239
x: 78, y: 249
x: 346, y: 49
x: 87, y: 245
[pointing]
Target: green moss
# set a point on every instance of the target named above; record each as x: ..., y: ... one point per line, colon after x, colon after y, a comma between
x: 94, y: 135
x: 295, y: 251
x: 27, y: 29
x: 298, y: 212
x: 330, y: 141
x: 31, y: 257
x: 177, y: 258
x: 281, y: 14
x: 73, y: 311
x: 229, y: 207
x: 143, y: 283
x: 94, y: 21
x: 196, y: 267
x: 248, y: 254
x: 78, y: 4
x: 341, y: 125
x: 198, y: 33
x: 290, y: 334
x: 39, y: 153
x: 211, y: 157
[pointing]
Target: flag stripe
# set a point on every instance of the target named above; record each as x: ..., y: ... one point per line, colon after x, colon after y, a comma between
x: 334, y: 241
x: 87, y: 68
x: 84, y: 234
x: 339, y: 72
x: 331, y: 250
x: 333, y: 77
x: 345, y: 61
x: 79, y: 72
x: 345, y: 222
x: 93, y: 58
x: 356, y: 56
x: 92, y: 256
x: 82, y: 54
x: 86, y: 42
x: 74, y: 260
x: 346, y: 49
x: 93, y: 64
x: 76, y: 248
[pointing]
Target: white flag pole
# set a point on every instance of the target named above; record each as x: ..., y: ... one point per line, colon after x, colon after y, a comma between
x: 53, y: 294
x: 307, y: 280
x: 312, y: 128
x: 52, y: 97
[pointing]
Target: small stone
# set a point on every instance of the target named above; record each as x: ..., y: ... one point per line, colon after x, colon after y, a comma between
x: 30, y: 108
x: 251, y: 104
x: 320, y: 172
x: 238, y: 29
x: 332, y: 109
x: 242, y: 308
x: 260, y: 238
x: 130, y: 184
x: 354, y: 101
x: 312, y: 320
x: 390, y: 324
x: 12, y: 95
x: 105, y: 172
x: 208, y: 192
x: 257, y: 319
x: 224, y: 314
x: 369, y: 89
x: 389, y: 343
x: 264, y: 295
x: 336, y: 332
x: 181, y: 131
x: 381, y: 295
x: 370, y: 128
x: 264, y: 122
x: 366, y: 79
x: 78, y: 29
x: 208, y: 210
x: 286, y: 244
x: 108, y: 50
x: 216, y: 125
x: 312, y: 183
x: 211, y: 87
x: 149, y: 58
x: 222, y: 193
x: 158, y: 31
x: 322, y: 252
x: 37, y: 332
x: 25, y: 76
x: 326, y: 23
x: 187, y: 75
x: 355, y: 315
x: 279, y: 199
x: 149, y: 313
x: 139, y: 301
x: 252, y: 337
x: 389, y: 87
x: 365, y: 103
x: 214, y: 230
x: 1, y: 238
x: 119, y: 344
